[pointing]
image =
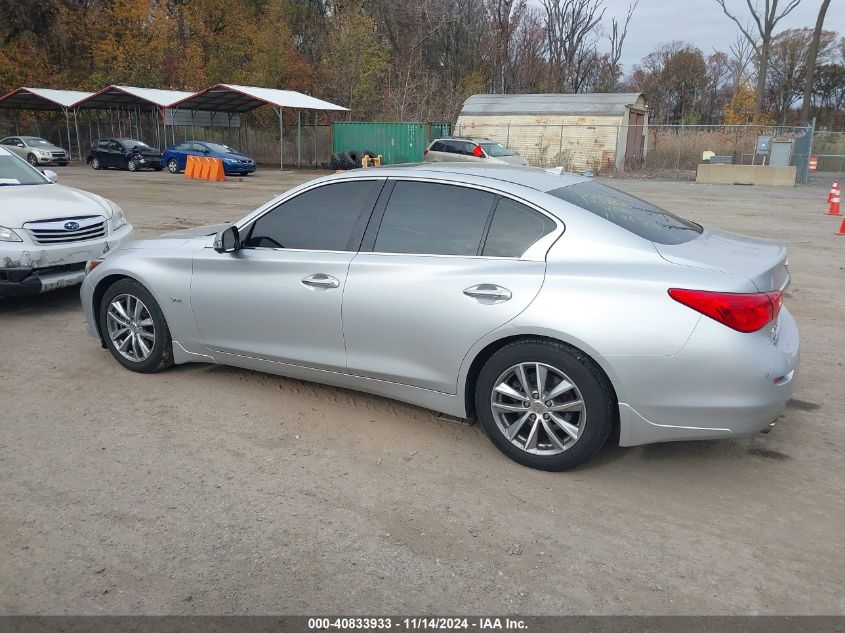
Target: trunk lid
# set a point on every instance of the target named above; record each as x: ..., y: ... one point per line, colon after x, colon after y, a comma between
x: 762, y: 261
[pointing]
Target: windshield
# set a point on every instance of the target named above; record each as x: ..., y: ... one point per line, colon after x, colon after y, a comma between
x: 131, y: 144
x: 220, y: 148
x: 14, y: 171
x: 637, y: 216
x: 34, y: 141
x: 495, y: 150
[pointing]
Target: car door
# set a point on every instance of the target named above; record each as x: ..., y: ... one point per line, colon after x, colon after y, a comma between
x: 115, y: 155
x: 436, y: 274
x: 279, y: 297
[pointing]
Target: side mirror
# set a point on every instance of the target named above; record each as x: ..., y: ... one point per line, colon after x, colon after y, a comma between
x: 228, y: 241
x: 51, y: 175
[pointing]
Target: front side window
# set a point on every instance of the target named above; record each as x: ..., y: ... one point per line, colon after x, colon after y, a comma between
x: 320, y: 219
x: 496, y: 150
x: 115, y: 146
x: 637, y: 216
x: 434, y: 219
x: 515, y: 227
x: 11, y: 141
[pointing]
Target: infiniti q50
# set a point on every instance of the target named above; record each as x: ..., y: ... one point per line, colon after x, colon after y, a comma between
x: 547, y: 306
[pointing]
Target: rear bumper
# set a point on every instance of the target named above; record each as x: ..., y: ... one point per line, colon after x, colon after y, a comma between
x: 722, y: 384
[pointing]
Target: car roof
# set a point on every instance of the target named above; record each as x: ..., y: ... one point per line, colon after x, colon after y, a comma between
x: 531, y: 177
x: 471, y: 139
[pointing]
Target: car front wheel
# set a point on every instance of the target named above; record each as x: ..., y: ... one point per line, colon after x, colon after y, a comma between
x: 132, y: 165
x: 543, y: 404
x: 134, y: 329
x: 32, y: 160
x: 173, y: 166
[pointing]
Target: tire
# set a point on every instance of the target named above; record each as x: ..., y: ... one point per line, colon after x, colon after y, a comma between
x: 132, y: 164
x: 95, y: 163
x: 589, y: 424
x: 173, y: 166
x: 32, y: 160
x: 160, y: 355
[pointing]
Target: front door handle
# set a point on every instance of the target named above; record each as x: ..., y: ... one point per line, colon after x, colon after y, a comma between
x: 320, y: 280
x: 488, y: 293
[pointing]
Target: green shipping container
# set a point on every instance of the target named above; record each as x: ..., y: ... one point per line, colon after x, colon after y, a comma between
x: 396, y: 142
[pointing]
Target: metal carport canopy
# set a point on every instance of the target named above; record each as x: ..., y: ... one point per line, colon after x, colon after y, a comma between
x: 47, y: 99
x: 130, y: 96
x: 231, y: 98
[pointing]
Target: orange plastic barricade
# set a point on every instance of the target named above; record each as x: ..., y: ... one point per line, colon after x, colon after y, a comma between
x: 190, y: 167
x: 206, y: 166
x: 216, y: 173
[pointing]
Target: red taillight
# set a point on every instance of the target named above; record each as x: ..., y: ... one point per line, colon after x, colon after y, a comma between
x: 742, y: 312
x: 425, y: 152
x: 476, y: 151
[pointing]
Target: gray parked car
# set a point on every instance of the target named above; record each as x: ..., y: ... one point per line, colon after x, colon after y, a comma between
x: 472, y: 150
x: 549, y: 307
x: 35, y: 150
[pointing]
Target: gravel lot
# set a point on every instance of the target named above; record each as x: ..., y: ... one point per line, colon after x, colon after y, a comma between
x: 216, y: 490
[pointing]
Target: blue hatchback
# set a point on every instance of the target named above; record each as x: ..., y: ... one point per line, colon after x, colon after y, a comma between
x: 234, y: 162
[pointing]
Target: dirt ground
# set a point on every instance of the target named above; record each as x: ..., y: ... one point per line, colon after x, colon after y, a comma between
x: 214, y: 490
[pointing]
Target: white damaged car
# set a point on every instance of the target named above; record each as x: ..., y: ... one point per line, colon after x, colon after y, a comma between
x: 48, y: 232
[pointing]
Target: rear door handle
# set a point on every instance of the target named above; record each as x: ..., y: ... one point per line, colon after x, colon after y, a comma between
x: 488, y: 293
x: 320, y: 280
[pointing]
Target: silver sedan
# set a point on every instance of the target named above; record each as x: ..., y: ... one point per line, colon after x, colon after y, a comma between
x: 547, y: 306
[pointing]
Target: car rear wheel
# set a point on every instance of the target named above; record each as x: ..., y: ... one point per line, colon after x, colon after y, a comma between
x: 543, y: 404
x: 173, y: 166
x: 134, y: 329
x: 95, y: 163
x: 32, y: 160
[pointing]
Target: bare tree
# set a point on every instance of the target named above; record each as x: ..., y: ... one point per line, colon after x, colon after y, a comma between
x: 742, y: 54
x: 765, y: 23
x: 569, y: 26
x: 812, y: 54
x: 617, y: 39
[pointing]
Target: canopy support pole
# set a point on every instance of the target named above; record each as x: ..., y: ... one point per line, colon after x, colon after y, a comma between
x: 67, y: 128
x: 298, y: 139
x: 281, y: 140
x: 315, y: 138
x: 76, y: 127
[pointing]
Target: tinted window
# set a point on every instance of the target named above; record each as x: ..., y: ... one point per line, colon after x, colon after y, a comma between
x: 515, y: 227
x: 437, y: 147
x: 638, y: 216
x: 496, y: 150
x: 183, y: 147
x: 102, y: 144
x: 320, y: 219
x: 453, y: 147
x: 115, y: 146
x: 434, y: 219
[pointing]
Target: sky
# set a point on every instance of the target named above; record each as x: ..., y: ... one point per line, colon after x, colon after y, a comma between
x: 703, y: 23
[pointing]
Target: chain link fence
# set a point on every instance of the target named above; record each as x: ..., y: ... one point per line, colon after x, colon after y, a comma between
x: 829, y: 149
x: 659, y: 151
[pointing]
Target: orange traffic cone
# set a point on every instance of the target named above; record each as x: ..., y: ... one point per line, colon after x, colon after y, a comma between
x: 833, y: 209
x: 833, y: 188
x: 841, y: 230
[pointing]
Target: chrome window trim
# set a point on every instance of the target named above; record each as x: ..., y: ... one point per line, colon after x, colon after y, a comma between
x: 537, y: 252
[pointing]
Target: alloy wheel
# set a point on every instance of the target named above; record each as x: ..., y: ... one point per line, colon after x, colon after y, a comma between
x: 173, y: 166
x: 538, y: 408
x: 95, y: 163
x: 32, y: 160
x: 131, y: 328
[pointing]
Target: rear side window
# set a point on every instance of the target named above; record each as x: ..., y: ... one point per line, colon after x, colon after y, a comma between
x: 637, y: 216
x: 321, y: 219
x: 437, y: 146
x: 433, y: 219
x: 102, y: 144
x: 515, y: 227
